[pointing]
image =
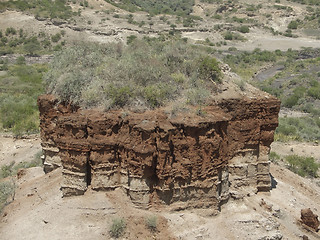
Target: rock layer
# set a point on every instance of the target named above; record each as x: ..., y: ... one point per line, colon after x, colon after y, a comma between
x: 185, y: 161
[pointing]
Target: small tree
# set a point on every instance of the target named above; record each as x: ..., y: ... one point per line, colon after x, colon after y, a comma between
x: 31, y: 47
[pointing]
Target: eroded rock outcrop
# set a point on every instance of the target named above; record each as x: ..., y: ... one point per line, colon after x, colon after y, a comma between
x: 186, y: 161
x: 310, y: 219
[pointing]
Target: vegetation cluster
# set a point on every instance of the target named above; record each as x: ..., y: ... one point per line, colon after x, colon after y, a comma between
x: 297, y: 85
x: 147, y: 73
x: 154, y: 7
x: 303, y: 166
x: 18, y: 41
x: 20, y: 87
x: 7, y: 184
x: 40, y: 8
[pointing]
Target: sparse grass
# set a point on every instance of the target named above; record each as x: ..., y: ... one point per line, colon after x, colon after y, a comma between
x: 178, y: 7
x: 274, y: 157
x: 7, y: 186
x: 117, y: 228
x: 148, y: 71
x: 303, y: 166
x: 304, y: 128
x: 12, y: 168
x: 6, y: 190
x: 151, y: 223
x: 233, y: 36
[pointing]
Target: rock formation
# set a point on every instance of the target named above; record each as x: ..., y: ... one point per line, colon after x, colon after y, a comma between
x: 186, y: 161
x: 310, y: 219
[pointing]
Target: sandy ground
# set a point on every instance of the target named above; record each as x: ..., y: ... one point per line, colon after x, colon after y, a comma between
x: 18, y: 150
x: 299, y: 148
x: 38, y: 210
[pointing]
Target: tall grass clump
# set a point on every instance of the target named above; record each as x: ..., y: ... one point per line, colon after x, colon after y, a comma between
x: 151, y: 223
x: 147, y: 73
x: 117, y: 228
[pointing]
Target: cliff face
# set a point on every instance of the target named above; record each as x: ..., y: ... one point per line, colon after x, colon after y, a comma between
x: 185, y: 161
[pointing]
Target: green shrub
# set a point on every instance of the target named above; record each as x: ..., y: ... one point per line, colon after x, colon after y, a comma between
x: 217, y: 16
x: 314, y: 92
x: 292, y: 100
x: 274, y: 157
x: 131, y: 38
x: 233, y: 36
x: 10, y: 31
x: 151, y: 223
x: 209, y: 69
x: 293, y: 25
x: 32, y: 46
x: 56, y: 38
x: 303, y: 166
x: 119, y: 95
x: 117, y: 228
x: 21, y: 60
x: 244, y: 29
x: 6, y: 170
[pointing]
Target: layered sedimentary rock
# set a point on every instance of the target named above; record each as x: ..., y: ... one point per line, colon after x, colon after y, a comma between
x: 185, y: 161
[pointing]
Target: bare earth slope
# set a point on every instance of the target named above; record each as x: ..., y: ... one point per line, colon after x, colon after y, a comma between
x: 39, y: 212
x: 102, y: 22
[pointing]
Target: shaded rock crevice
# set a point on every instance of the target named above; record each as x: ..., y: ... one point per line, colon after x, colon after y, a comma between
x: 188, y: 161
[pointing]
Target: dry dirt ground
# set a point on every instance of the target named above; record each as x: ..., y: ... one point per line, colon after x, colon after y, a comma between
x: 298, y: 148
x: 18, y: 150
x: 38, y: 210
